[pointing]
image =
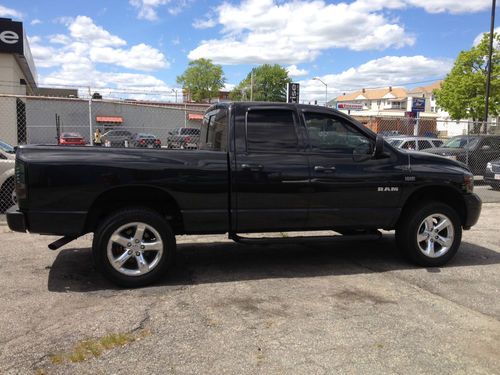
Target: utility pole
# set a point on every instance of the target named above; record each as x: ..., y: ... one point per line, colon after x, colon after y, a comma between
x: 488, y: 79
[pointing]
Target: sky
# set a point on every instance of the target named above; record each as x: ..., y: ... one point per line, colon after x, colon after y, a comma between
x: 139, y: 47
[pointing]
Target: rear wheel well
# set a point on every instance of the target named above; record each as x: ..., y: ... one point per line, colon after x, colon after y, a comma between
x: 137, y: 196
x: 442, y: 194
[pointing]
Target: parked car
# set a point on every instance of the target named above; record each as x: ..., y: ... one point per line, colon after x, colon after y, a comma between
x: 71, y: 139
x: 261, y: 173
x: 414, y: 143
x: 7, y: 191
x: 146, y: 140
x: 183, y: 138
x: 492, y: 174
x: 117, y: 137
x: 474, y: 150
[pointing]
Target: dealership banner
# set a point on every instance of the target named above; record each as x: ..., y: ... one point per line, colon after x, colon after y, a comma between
x: 11, y: 36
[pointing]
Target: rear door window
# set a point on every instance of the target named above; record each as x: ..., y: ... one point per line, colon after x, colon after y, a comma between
x: 271, y: 130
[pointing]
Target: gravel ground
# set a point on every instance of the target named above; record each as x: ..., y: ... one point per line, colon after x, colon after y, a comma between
x: 339, y: 307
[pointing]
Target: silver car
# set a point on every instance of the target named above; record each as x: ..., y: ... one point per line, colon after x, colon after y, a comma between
x: 414, y: 143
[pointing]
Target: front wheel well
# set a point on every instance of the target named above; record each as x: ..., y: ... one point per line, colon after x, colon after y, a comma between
x: 136, y: 196
x: 443, y: 194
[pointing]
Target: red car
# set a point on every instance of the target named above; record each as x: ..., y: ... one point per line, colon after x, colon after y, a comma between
x: 71, y: 139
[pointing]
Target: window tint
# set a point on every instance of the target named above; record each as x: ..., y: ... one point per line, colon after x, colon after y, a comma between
x: 271, y: 131
x: 332, y: 134
x: 422, y: 145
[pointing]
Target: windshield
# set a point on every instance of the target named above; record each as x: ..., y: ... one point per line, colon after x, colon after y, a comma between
x: 461, y: 142
x: 395, y: 142
x: 5, y: 147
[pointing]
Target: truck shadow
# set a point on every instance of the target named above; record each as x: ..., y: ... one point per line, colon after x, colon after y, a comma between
x: 198, y: 263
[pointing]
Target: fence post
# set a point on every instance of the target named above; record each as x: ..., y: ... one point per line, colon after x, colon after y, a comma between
x: 185, y: 115
x: 91, y: 137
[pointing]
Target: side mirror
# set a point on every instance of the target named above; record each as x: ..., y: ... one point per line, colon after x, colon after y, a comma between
x: 379, y: 147
x: 362, y: 152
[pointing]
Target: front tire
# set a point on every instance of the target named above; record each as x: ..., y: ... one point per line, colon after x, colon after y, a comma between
x: 430, y: 234
x: 133, y: 247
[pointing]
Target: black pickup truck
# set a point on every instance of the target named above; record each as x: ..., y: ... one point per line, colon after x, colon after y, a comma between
x: 259, y: 168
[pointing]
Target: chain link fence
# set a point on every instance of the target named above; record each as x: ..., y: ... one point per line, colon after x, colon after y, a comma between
x: 91, y: 122
x: 474, y: 143
x: 156, y: 124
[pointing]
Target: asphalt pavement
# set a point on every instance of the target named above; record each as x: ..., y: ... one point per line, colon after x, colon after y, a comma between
x: 342, y: 307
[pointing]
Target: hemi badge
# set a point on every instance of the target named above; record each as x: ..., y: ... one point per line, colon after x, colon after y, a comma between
x: 410, y: 178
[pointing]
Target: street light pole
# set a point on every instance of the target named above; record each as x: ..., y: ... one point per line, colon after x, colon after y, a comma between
x: 488, y: 79
x: 326, y: 89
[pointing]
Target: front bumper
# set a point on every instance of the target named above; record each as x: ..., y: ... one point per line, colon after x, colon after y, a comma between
x: 473, y: 210
x: 16, y: 220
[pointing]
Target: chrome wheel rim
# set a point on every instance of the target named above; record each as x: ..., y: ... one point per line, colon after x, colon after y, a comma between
x: 135, y: 249
x: 435, y: 235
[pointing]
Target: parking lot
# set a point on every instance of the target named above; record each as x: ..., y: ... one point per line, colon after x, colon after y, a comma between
x: 339, y: 307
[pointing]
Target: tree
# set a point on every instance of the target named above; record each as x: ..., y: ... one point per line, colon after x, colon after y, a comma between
x: 269, y: 84
x: 202, y: 79
x: 463, y: 92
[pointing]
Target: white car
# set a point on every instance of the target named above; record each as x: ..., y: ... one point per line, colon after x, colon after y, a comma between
x: 7, y: 161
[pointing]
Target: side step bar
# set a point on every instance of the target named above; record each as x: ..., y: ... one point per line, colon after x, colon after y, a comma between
x: 372, y: 235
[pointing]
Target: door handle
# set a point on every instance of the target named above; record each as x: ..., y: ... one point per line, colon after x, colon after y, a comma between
x: 321, y: 169
x: 252, y: 167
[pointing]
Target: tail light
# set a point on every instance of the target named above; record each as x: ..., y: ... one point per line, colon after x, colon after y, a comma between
x: 142, y: 142
x: 187, y: 139
x: 20, y: 178
x: 157, y: 142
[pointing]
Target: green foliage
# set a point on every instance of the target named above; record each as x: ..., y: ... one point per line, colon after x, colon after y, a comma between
x: 269, y: 84
x: 463, y: 91
x: 202, y: 79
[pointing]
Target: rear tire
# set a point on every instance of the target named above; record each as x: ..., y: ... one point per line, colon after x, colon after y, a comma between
x: 429, y: 234
x: 133, y: 247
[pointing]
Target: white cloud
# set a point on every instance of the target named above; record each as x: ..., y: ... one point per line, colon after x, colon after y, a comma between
x: 77, y: 53
x: 451, y: 6
x: 382, y: 72
x: 36, y: 21
x: 9, y: 12
x: 148, y: 8
x: 85, y: 30
x: 204, y: 24
x: 140, y: 56
x: 268, y: 31
x: 274, y: 31
x: 294, y: 71
x: 478, y: 38
x: 430, y: 6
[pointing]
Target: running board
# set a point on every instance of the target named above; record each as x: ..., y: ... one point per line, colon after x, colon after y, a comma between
x: 304, y: 239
